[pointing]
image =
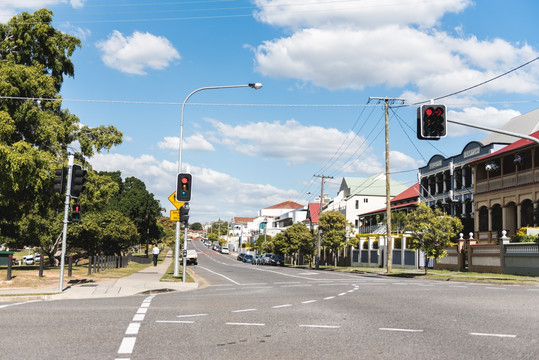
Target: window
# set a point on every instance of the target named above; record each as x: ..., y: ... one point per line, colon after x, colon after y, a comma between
x: 357, y: 204
x: 366, y: 200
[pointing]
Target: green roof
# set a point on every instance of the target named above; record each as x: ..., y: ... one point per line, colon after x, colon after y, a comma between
x: 371, y: 186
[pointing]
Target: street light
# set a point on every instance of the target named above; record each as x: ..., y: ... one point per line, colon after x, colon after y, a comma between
x: 255, y: 86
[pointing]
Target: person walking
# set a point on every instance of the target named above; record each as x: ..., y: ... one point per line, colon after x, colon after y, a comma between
x: 155, y: 253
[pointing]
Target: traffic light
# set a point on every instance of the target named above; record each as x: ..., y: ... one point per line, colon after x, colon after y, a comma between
x: 78, y: 178
x: 184, y: 213
x: 431, y: 122
x: 75, y: 213
x: 183, y: 189
x: 60, y: 180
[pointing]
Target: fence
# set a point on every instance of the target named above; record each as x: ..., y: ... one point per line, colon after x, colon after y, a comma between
x: 373, y: 249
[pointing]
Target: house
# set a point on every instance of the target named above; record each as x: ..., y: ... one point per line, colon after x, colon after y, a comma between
x: 360, y: 195
x: 506, y: 189
x: 447, y: 183
x: 405, y: 201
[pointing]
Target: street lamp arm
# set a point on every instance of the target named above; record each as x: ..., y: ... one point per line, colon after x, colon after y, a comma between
x: 255, y: 86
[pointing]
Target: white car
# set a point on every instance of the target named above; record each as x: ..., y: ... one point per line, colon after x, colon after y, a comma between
x: 28, y: 259
x: 224, y: 250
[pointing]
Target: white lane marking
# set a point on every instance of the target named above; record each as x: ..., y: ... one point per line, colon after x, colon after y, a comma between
x: 243, y: 310
x: 216, y: 273
x: 341, y: 294
x: 298, y: 285
x: 245, y: 324
x: 281, y: 306
x: 351, y: 291
x: 333, y: 284
x: 495, y: 335
x: 191, y: 315
x: 329, y: 298
x: 458, y: 286
x: 403, y: 330
x: 145, y: 305
x: 286, y: 282
x: 175, y: 321
x: 253, y: 284
x: 496, y: 288
x: 228, y: 289
x: 19, y: 303
x: 133, y: 328
x: 321, y: 326
x: 308, y: 301
x: 138, y: 317
x: 127, y: 345
x: 142, y: 310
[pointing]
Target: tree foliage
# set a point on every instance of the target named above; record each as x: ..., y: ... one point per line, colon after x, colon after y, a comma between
x: 432, y: 231
x: 35, y: 132
x: 334, y: 229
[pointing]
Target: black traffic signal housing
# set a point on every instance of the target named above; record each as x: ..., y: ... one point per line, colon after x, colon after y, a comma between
x: 60, y: 180
x: 431, y: 122
x: 183, y: 188
x: 184, y: 213
x: 75, y: 212
x: 78, y: 179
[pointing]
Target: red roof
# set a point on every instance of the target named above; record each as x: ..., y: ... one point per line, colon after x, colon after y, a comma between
x: 411, y: 192
x: 314, y: 212
x: 243, y: 220
x: 514, y: 146
x: 286, y: 205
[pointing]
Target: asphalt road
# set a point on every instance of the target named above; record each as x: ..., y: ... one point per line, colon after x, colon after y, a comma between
x: 259, y: 312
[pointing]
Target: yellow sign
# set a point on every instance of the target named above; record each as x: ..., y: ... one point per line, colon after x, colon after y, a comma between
x: 176, y: 203
x: 175, y: 215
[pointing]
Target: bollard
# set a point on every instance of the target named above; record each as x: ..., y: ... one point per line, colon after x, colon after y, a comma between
x: 90, y: 265
x: 9, y: 264
x: 70, y: 267
x: 41, y: 266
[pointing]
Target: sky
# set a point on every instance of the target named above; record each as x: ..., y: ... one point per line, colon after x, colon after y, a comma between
x: 320, y: 63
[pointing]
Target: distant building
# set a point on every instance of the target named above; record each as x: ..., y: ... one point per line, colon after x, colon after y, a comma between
x: 360, y: 195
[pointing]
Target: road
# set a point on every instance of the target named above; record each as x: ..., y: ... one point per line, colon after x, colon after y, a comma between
x: 255, y: 312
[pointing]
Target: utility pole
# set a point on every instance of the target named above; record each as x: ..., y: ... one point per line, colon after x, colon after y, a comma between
x: 389, y: 246
x: 317, y: 259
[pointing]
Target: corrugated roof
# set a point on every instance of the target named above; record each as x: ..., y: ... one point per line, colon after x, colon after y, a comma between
x: 286, y: 205
x: 372, y: 186
x: 514, y: 146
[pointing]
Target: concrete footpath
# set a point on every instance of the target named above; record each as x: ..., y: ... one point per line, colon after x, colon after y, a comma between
x: 146, y: 281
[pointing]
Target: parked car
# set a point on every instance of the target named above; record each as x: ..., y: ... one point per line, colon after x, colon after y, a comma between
x: 28, y: 259
x: 265, y: 260
x: 224, y: 250
x: 257, y: 260
x: 240, y: 256
x: 248, y: 258
x: 276, y: 260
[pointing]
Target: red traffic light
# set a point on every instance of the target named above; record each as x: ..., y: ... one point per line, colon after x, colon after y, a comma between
x: 183, y: 187
x: 431, y: 122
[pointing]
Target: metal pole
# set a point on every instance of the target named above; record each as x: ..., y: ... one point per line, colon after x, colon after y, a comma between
x: 255, y: 86
x: 184, y: 252
x: 66, y: 220
x: 318, y: 251
x: 388, y: 193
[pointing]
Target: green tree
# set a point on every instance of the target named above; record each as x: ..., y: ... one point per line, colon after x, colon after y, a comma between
x: 196, y: 226
x: 432, y: 231
x: 139, y: 205
x: 334, y: 229
x: 300, y: 239
x: 35, y: 131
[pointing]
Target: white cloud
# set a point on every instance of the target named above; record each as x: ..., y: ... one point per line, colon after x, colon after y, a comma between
x: 215, y: 194
x: 353, y: 45
x: 488, y: 116
x: 195, y: 142
x: 366, y: 13
x: 138, y: 52
x: 290, y: 141
x: 9, y: 8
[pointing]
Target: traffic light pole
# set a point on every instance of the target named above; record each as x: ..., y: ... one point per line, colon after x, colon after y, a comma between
x: 66, y: 221
x: 184, y: 251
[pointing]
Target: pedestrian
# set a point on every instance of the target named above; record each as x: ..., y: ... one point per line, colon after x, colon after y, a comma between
x: 155, y: 253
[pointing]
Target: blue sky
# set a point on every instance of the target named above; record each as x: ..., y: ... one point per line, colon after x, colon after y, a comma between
x: 319, y: 62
